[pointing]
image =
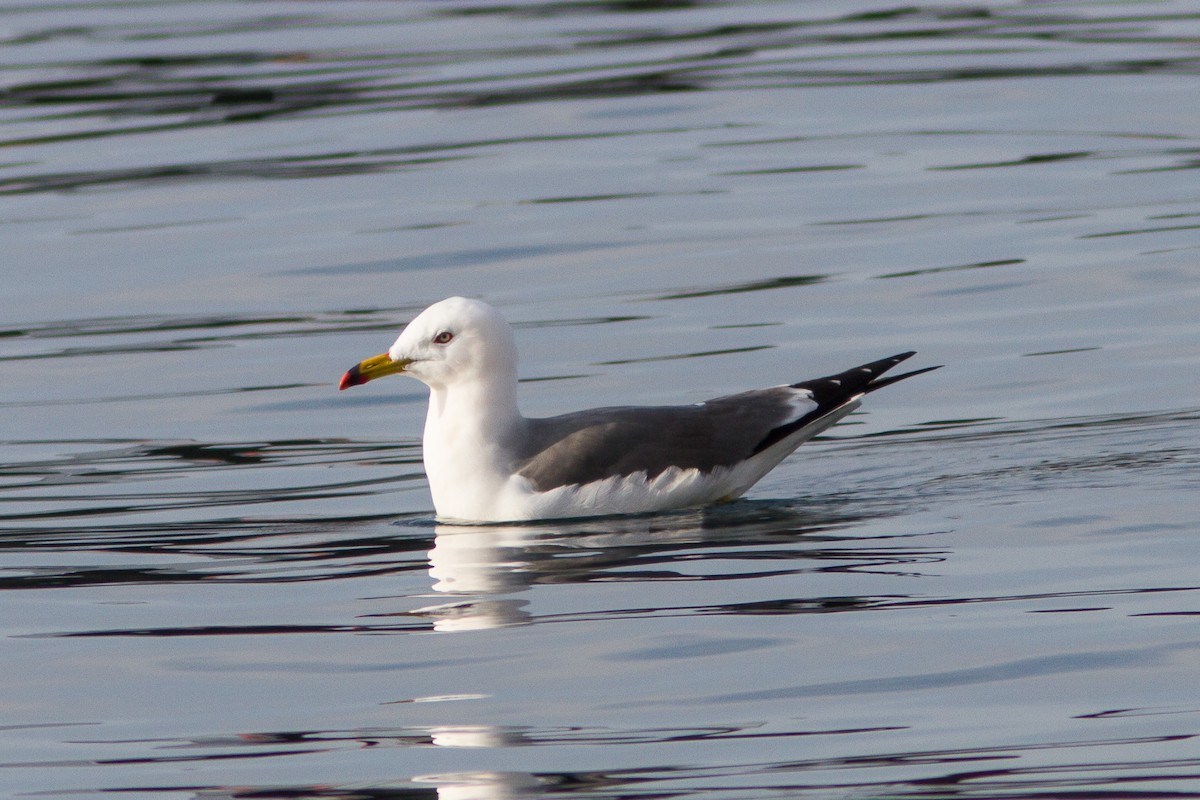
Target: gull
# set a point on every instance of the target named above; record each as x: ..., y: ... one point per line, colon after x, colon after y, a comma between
x: 488, y: 463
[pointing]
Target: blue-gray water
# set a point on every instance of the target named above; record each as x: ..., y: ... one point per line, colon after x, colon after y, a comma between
x: 222, y: 578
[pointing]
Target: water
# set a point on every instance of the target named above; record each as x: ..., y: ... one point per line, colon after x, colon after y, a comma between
x: 223, y: 578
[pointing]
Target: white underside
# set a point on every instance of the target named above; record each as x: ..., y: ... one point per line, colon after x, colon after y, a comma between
x: 489, y: 497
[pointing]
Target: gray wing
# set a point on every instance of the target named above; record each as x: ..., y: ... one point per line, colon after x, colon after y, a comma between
x: 599, y: 443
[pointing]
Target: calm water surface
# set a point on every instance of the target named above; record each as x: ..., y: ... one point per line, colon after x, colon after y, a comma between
x: 223, y: 578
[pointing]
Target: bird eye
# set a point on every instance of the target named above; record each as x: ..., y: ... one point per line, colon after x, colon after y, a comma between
x: 443, y: 338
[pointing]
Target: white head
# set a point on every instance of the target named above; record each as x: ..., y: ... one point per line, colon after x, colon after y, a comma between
x: 457, y: 340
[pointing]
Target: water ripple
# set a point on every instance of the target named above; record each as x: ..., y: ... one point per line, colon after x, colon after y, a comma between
x: 1017, y: 769
x: 104, y: 92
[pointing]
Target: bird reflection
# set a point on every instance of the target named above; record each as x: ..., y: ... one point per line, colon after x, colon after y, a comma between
x: 482, y: 567
x: 493, y: 560
x: 486, y: 785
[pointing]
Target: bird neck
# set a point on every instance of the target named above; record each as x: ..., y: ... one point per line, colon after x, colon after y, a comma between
x: 467, y: 430
x: 472, y: 418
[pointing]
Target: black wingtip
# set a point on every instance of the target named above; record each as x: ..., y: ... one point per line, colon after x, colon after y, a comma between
x: 879, y: 383
x: 834, y: 390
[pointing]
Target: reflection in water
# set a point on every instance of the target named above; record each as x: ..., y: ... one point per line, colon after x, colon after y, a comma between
x: 487, y: 560
x: 968, y: 773
x: 985, y: 772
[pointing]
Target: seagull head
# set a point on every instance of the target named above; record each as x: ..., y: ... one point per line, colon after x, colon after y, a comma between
x: 453, y: 341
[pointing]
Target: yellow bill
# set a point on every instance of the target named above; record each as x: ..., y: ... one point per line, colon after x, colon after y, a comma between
x: 371, y: 369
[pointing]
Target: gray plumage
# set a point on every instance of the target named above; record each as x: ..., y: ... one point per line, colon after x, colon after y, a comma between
x: 587, y: 446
